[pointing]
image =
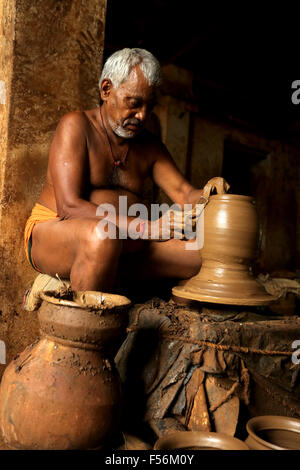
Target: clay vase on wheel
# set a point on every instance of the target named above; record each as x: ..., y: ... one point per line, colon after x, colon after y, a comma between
x: 63, y: 391
x: 229, y: 248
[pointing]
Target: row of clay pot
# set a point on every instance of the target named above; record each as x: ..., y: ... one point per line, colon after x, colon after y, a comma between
x: 264, y: 433
x: 64, y: 392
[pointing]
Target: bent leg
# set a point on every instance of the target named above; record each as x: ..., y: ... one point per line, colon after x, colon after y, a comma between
x: 160, y: 260
x: 74, y: 249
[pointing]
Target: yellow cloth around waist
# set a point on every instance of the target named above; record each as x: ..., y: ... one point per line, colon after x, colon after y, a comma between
x: 39, y: 214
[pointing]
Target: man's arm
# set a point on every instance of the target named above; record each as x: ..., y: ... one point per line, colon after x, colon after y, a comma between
x: 68, y: 162
x: 69, y: 170
x: 168, y: 177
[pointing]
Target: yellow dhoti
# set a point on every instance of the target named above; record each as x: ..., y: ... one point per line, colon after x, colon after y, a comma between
x: 39, y: 214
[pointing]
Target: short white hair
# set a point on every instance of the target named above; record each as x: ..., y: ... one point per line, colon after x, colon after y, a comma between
x: 119, y: 65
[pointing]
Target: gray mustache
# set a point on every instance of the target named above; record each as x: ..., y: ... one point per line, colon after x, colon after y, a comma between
x: 133, y: 122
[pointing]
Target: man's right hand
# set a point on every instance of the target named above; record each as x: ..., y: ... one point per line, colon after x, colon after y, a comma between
x: 172, y: 224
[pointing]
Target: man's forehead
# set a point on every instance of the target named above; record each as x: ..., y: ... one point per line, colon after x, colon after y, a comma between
x: 136, y: 84
x: 138, y: 93
x: 136, y: 75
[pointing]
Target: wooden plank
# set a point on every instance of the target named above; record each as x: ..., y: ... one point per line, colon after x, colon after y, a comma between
x: 197, y: 417
x: 225, y: 418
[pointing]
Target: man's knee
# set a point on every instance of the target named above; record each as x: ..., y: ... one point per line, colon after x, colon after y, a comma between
x: 98, y: 238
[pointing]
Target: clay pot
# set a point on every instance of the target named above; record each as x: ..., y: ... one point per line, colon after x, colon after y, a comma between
x: 199, y: 440
x: 63, y: 391
x: 273, y: 433
x: 230, y: 244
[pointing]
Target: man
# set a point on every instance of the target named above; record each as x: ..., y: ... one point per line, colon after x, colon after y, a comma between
x: 96, y: 156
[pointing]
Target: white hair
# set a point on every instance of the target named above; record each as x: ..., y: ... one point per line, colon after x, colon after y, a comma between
x: 119, y: 65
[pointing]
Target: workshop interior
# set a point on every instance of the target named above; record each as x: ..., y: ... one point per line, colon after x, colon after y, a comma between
x: 206, y: 362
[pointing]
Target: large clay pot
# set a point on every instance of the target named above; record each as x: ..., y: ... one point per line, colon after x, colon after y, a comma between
x: 273, y: 433
x: 230, y: 245
x: 199, y: 440
x: 63, y: 391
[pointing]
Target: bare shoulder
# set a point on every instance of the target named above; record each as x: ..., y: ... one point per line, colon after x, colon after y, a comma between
x: 73, y: 122
x: 70, y: 136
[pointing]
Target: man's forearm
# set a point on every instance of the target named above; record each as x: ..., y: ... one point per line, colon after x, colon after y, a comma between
x: 78, y: 208
x: 193, y: 196
x: 129, y: 227
x: 81, y: 208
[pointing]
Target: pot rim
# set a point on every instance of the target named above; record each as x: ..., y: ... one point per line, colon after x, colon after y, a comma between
x: 121, y: 301
x: 191, y: 438
x: 261, y: 423
x: 45, y: 295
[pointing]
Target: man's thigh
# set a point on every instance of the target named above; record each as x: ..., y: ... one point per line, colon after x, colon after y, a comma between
x: 169, y: 259
x: 55, y: 243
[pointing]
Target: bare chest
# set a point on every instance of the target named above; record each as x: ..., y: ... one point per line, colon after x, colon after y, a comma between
x: 104, y: 173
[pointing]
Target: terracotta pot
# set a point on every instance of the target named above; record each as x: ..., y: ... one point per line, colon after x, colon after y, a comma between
x: 273, y: 433
x: 63, y: 391
x: 230, y: 244
x: 199, y: 440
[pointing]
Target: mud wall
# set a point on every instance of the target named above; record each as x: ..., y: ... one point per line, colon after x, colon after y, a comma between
x: 50, y: 61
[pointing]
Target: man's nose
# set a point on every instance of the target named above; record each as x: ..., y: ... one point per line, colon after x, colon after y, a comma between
x: 141, y: 113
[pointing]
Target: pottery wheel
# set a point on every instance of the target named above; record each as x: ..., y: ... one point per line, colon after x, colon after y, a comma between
x: 222, y: 294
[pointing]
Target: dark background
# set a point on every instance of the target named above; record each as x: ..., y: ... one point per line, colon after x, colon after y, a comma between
x: 241, y: 57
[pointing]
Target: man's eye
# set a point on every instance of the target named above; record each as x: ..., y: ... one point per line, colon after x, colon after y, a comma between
x: 134, y: 104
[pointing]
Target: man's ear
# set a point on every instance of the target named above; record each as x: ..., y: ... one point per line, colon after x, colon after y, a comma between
x: 105, y: 89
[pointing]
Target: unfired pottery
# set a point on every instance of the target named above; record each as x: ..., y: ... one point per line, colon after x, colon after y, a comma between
x: 273, y: 433
x: 63, y: 391
x: 199, y: 440
x: 230, y: 244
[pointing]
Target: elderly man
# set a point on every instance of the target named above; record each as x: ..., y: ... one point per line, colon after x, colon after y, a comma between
x: 96, y: 156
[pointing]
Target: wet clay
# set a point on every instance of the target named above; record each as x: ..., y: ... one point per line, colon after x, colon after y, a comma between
x: 230, y: 244
x: 273, y: 433
x: 63, y: 392
x: 199, y: 440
